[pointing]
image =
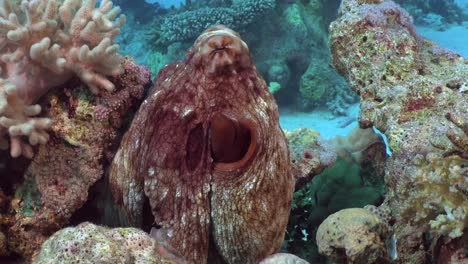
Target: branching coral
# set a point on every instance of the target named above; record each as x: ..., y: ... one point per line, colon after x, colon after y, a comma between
x: 42, y: 45
x: 16, y: 119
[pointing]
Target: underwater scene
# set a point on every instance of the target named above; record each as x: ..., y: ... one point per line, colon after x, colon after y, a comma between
x: 234, y: 131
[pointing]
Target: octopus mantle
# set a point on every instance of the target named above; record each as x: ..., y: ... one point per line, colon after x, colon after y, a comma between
x: 207, y: 151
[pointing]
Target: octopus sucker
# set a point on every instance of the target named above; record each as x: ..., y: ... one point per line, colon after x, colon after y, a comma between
x: 194, y: 147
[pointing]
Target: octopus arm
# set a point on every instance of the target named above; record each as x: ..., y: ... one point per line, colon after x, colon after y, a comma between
x: 164, y: 157
x: 126, y: 176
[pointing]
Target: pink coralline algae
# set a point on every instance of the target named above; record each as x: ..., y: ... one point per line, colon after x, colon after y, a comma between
x: 113, y: 105
x: 207, y: 150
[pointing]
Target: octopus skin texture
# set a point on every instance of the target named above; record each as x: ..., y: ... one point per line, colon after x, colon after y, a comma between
x: 207, y: 151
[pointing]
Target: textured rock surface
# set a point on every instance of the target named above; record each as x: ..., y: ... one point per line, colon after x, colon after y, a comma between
x: 88, y: 243
x: 416, y: 93
x: 207, y: 150
x: 353, y: 235
x: 310, y: 154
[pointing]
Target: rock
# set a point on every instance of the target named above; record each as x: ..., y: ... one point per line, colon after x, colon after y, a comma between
x: 353, y: 235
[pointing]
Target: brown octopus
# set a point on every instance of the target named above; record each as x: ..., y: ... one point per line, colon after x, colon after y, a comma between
x: 207, y: 150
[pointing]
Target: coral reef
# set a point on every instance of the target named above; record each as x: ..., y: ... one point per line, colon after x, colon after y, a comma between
x: 321, y: 85
x: 189, y: 24
x: 291, y: 50
x: 446, y: 10
x: 353, y: 235
x: 84, y: 137
x: 88, y: 243
x: 414, y: 92
x: 43, y: 45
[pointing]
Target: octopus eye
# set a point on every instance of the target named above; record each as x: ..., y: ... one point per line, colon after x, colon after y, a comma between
x: 232, y: 142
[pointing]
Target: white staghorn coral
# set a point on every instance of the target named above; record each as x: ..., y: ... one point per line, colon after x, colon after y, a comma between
x: 43, y: 43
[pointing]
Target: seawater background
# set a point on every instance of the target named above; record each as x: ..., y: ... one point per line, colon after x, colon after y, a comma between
x: 451, y: 36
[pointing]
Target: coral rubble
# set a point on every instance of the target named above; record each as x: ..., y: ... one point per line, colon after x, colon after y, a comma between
x: 414, y: 92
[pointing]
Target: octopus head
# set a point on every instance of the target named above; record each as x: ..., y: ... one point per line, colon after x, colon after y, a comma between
x: 219, y: 50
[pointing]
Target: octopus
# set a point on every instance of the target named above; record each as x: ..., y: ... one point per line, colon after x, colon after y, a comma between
x: 207, y: 151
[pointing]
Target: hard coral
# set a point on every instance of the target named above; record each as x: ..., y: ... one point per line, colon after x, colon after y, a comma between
x: 43, y: 43
x: 353, y: 235
x: 89, y: 243
x: 189, y: 24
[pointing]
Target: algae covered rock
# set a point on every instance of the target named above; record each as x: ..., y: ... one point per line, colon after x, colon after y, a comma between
x: 89, y: 243
x: 353, y: 235
x: 416, y: 93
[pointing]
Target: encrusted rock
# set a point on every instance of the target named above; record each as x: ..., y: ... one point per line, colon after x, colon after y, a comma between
x: 415, y: 92
x: 89, y: 243
x: 353, y: 235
